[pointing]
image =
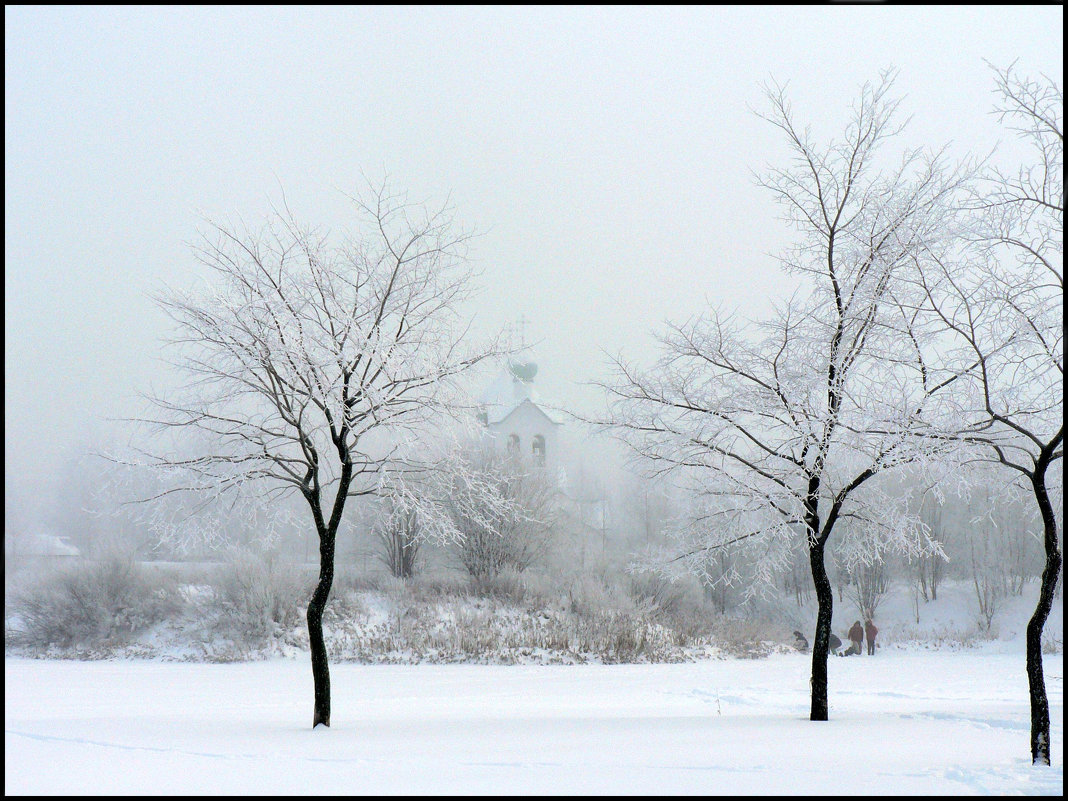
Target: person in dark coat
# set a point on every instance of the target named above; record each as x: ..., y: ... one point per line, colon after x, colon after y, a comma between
x: 856, y: 636
x: 834, y: 643
x: 870, y: 631
x: 800, y: 642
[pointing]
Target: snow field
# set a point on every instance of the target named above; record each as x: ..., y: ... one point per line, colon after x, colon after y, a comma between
x: 901, y: 722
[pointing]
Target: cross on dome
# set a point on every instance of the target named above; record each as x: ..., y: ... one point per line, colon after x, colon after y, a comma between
x: 519, y: 328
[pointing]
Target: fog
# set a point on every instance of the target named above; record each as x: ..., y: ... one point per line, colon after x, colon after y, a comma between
x: 605, y: 156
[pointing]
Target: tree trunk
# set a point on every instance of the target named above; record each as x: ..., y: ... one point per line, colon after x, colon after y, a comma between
x: 1040, y: 745
x: 822, y: 640
x: 316, y: 607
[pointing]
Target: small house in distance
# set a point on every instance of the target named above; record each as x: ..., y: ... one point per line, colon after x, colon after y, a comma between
x: 517, y: 419
x: 42, y: 549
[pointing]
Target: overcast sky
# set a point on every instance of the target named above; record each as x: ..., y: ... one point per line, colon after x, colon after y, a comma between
x: 604, y: 154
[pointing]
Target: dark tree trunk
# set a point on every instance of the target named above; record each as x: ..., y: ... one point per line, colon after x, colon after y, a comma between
x: 316, y: 607
x: 1040, y: 745
x: 822, y: 640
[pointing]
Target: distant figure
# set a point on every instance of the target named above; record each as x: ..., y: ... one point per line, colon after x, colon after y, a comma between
x: 870, y: 631
x: 800, y: 643
x: 856, y: 636
x: 852, y: 650
x: 834, y: 644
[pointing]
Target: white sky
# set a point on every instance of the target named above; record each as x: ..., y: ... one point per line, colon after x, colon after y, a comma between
x: 604, y: 153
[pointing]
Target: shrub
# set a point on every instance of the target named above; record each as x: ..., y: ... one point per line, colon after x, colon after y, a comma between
x: 91, y: 604
x: 261, y: 595
x: 751, y: 639
x: 505, y: 510
x: 658, y: 592
x: 589, y: 596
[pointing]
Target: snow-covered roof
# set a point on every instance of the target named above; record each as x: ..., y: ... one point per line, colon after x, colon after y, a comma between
x: 46, y: 545
x: 546, y: 413
x: 507, y: 392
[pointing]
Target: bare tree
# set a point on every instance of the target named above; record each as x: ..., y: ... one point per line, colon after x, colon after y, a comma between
x: 795, y: 578
x: 718, y: 575
x: 785, y: 424
x: 870, y: 585
x: 931, y: 568
x: 398, y: 537
x: 988, y: 576
x: 999, y: 305
x: 310, y: 365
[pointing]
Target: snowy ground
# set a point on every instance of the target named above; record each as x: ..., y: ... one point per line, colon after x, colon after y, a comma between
x: 902, y: 722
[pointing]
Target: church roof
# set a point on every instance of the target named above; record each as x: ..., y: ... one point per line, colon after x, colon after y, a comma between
x: 546, y: 413
x: 47, y: 545
x: 513, y: 387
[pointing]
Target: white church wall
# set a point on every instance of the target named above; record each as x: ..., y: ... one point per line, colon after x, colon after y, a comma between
x: 526, y: 422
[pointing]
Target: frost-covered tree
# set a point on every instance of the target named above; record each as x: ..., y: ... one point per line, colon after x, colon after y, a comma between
x: 929, y: 571
x: 504, y: 506
x: 870, y: 584
x: 999, y: 305
x: 784, y: 425
x: 398, y: 538
x: 312, y: 363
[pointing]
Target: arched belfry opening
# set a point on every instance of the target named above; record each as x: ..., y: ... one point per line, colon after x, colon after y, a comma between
x: 537, y: 449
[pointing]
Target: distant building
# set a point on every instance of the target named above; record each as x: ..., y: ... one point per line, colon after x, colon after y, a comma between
x: 39, y: 549
x: 517, y: 419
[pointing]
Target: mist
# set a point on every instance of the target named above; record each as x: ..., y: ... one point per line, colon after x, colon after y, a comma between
x: 605, y: 157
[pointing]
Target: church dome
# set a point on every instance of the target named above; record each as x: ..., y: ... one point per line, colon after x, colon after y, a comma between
x: 513, y: 387
x: 524, y: 371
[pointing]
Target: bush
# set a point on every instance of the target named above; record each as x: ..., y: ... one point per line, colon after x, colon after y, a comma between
x: 253, y: 607
x: 260, y: 595
x: 505, y: 510
x: 590, y: 596
x: 948, y: 636
x: 92, y: 604
x: 451, y: 625
x: 659, y: 592
x: 751, y: 639
x: 532, y: 590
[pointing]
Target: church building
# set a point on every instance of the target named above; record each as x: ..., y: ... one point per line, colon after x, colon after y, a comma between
x: 517, y: 419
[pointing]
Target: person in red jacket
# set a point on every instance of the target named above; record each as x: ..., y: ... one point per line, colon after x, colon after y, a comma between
x: 856, y: 636
x: 870, y: 631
